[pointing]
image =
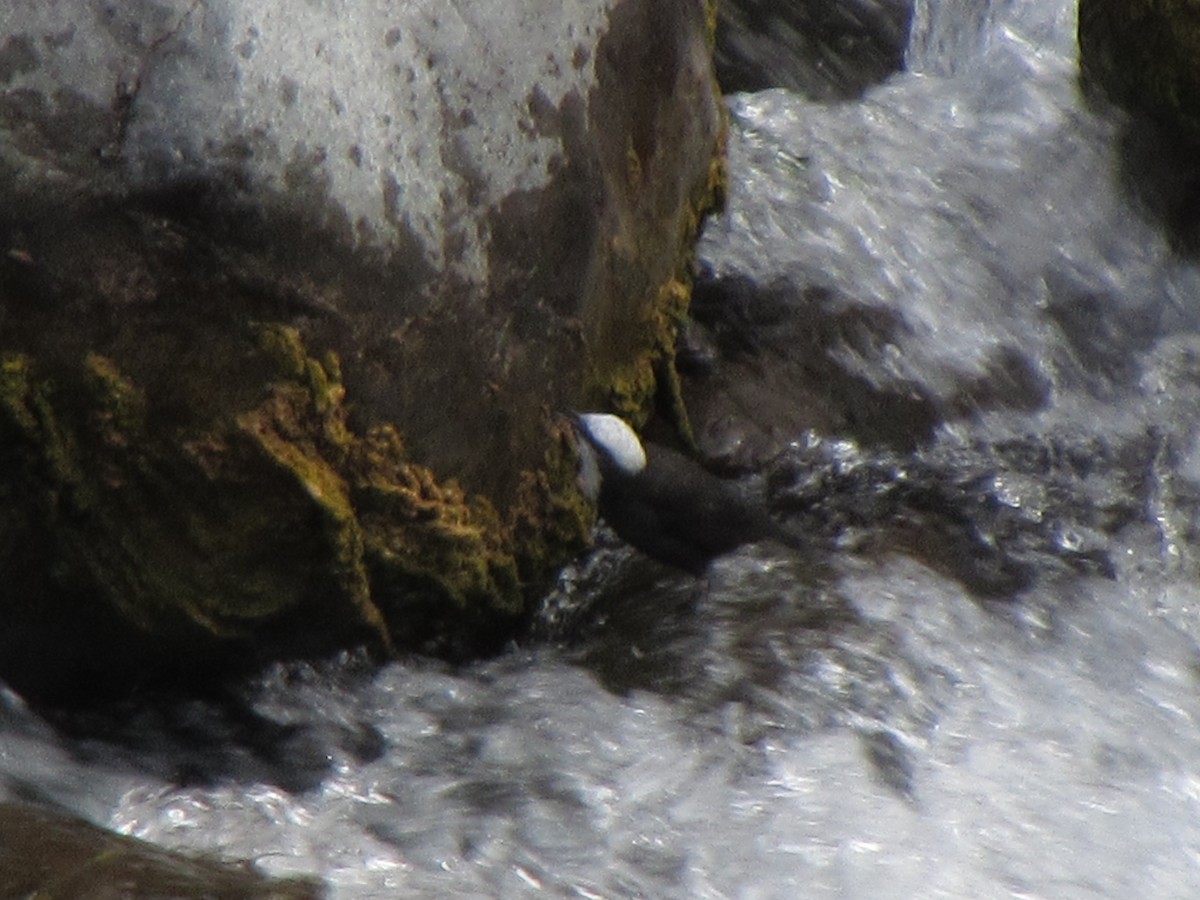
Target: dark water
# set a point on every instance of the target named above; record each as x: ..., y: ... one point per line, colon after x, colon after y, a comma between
x: 983, y: 681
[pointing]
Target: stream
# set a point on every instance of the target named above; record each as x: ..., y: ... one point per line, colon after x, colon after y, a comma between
x: 982, y: 681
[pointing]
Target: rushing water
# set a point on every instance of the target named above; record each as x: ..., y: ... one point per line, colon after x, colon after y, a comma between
x: 983, y: 681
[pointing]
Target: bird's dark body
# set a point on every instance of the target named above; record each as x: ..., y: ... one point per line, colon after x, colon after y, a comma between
x: 679, y: 513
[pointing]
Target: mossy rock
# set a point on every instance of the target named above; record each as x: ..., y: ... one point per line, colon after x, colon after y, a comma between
x: 211, y: 537
x: 280, y: 372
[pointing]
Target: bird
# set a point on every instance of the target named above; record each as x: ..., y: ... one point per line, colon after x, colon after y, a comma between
x: 664, y: 503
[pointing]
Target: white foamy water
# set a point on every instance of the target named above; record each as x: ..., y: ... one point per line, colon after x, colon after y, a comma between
x: 865, y: 724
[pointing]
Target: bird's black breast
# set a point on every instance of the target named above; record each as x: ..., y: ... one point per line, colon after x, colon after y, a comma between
x: 679, y: 513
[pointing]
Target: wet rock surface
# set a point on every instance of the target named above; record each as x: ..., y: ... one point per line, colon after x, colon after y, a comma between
x: 288, y: 298
x: 824, y: 51
x: 990, y: 638
x: 1146, y: 58
x: 1146, y: 55
x: 44, y: 854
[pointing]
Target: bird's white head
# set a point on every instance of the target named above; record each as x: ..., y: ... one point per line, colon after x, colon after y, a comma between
x: 610, y: 436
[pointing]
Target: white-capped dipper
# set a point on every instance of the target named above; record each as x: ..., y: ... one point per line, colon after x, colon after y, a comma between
x: 664, y: 503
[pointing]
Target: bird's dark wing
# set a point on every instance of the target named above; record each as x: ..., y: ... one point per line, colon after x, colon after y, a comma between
x: 645, y: 513
x: 681, y: 513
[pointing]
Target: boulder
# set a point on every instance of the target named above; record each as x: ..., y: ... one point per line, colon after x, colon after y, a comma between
x: 47, y: 854
x: 827, y: 52
x: 290, y: 295
x: 1146, y: 55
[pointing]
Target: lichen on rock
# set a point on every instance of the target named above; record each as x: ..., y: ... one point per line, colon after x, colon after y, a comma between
x: 281, y: 369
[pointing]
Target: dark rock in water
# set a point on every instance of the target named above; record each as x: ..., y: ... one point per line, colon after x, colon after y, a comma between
x: 825, y: 51
x: 1146, y: 55
x: 45, y: 854
x: 774, y: 375
x: 286, y: 292
x: 947, y: 507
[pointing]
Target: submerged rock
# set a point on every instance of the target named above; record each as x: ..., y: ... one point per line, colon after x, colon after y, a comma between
x: 44, y: 854
x: 1146, y: 55
x: 824, y: 51
x: 288, y: 295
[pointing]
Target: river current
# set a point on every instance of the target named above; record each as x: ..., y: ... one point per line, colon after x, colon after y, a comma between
x: 985, y: 682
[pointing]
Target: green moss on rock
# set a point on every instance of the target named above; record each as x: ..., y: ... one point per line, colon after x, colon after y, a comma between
x: 420, y: 530
x: 14, y: 391
x: 187, y: 463
x: 277, y: 513
x: 552, y: 519
x: 400, y: 524
x: 169, y: 539
x: 119, y: 406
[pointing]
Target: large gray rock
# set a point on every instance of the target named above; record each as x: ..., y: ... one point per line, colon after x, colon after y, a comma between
x: 289, y: 294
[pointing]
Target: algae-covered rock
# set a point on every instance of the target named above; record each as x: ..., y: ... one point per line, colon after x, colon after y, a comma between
x: 290, y: 296
x: 56, y: 857
x: 1146, y: 55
